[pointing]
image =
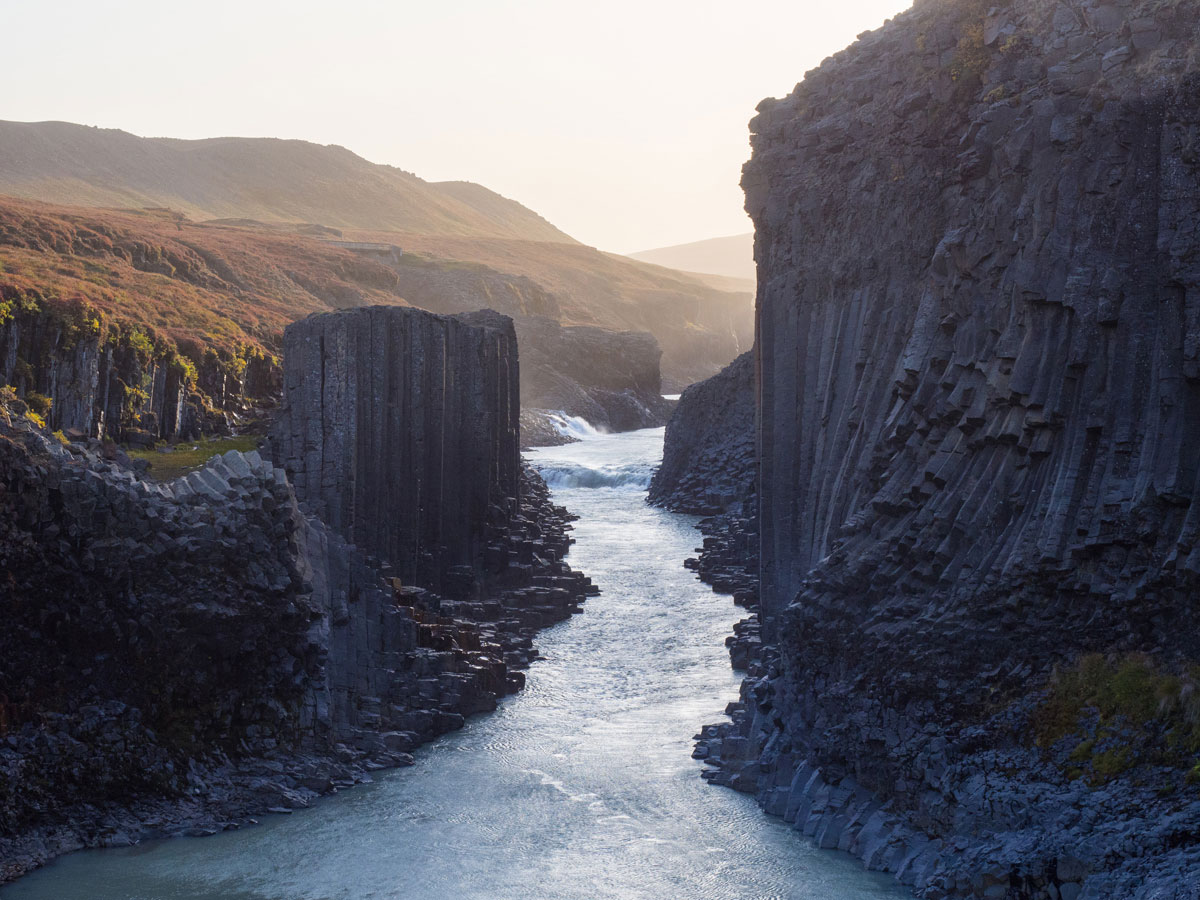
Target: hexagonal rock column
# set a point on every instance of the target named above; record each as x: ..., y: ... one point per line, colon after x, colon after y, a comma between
x: 399, y: 429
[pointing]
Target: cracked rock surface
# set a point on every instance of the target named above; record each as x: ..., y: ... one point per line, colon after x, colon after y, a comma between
x: 179, y: 657
x: 978, y: 241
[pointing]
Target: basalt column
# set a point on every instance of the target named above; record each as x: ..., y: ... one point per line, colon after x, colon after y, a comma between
x: 400, y: 430
x: 978, y: 412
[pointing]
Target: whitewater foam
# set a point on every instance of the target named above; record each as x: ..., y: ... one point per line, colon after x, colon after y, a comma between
x: 573, y: 426
x: 634, y: 477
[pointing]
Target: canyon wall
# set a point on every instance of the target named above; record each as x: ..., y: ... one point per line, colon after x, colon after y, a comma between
x: 178, y: 657
x: 399, y: 428
x: 979, y: 346
x: 99, y: 379
x: 709, y: 464
x: 609, y: 378
x: 710, y: 469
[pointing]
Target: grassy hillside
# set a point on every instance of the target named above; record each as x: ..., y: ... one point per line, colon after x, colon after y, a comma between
x: 258, y: 178
x: 198, y: 286
x: 235, y: 285
x: 234, y: 233
x: 700, y: 328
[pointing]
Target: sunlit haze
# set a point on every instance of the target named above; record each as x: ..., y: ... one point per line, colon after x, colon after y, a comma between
x: 624, y: 123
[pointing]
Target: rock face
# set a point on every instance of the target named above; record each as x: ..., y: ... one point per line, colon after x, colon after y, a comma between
x: 709, y: 469
x: 979, y: 338
x: 399, y: 428
x: 709, y: 464
x: 113, y: 383
x: 179, y: 657
x: 609, y: 378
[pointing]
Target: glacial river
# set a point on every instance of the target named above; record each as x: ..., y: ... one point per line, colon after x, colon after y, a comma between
x: 582, y: 786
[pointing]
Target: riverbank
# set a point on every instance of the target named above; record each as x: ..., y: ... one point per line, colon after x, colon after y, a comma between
x: 581, y: 786
x: 190, y: 673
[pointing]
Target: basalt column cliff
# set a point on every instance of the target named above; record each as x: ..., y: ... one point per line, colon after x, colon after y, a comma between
x: 177, y: 657
x: 400, y: 429
x: 978, y: 240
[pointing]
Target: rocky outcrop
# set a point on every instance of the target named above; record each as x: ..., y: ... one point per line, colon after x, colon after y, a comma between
x: 709, y: 464
x: 709, y: 469
x: 978, y: 301
x: 101, y: 379
x: 610, y: 379
x: 399, y: 428
x: 180, y: 657
x: 453, y: 288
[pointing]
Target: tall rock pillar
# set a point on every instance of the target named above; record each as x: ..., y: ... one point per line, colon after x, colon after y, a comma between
x: 400, y: 430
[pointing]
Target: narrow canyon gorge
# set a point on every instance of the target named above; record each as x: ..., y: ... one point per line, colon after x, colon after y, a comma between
x: 939, y: 637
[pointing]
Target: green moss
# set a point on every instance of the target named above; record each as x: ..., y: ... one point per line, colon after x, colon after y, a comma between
x: 1083, y: 752
x: 39, y: 403
x: 141, y: 343
x: 971, y: 56
x: 1111, y: 763
x: 188, y: 456
x: 1126, y: 711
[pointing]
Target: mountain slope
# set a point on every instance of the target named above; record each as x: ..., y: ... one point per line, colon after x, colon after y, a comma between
x: 264, y: 187
x: 700, y: 328
x: 732, y: 256
x: 259, y: 178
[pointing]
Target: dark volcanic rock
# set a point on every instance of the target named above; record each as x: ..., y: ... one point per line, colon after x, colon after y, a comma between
x: 709, y: 464
x: 115, y: 382
x: 709, y: 469
x: 178, y: 657
x: 979, y: 297
x: 399, y: 428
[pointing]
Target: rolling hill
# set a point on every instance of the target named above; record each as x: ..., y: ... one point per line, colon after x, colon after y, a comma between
x: 265, y: 179
x: 732, y: 256
x: 238, y: 203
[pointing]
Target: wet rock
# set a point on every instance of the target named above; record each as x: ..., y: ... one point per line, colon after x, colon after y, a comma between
x: 709, y: 464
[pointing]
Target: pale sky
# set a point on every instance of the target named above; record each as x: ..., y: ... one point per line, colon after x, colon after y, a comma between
x: 622, y: 122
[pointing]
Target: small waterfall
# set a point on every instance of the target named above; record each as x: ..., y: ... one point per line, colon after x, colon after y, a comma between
x: 573, y: 426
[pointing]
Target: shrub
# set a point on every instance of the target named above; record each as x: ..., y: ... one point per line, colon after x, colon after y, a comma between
x: 39, y: 403
x: 135, y: 397
x: 971, y: 57
x: 141, y: 343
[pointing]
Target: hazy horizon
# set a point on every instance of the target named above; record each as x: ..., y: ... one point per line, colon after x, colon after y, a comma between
x: 626, y: 126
